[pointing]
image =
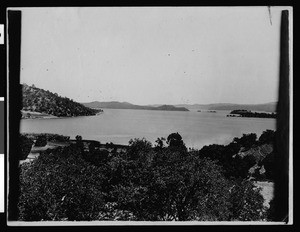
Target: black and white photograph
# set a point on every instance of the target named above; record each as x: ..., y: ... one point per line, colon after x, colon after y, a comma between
x: 149, y: 115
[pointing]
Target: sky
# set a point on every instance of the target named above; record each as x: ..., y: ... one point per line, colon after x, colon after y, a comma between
x: 153, y: 55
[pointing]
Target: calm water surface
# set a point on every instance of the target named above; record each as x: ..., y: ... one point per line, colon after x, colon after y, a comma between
x: 120, y: 125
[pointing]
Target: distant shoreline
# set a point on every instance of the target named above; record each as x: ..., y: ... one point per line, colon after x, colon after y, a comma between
x: 127, y: 105
x: 38, y: 115
x: 35, y: 115
x: 265, y: 107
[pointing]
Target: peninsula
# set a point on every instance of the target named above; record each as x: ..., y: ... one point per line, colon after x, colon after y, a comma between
x: 40, y: 103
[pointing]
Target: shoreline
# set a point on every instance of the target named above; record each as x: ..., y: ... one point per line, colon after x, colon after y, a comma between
x: 38, y: 115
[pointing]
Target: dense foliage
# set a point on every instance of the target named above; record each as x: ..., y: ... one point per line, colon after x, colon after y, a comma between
x: 60, y: 185
x: 145, y: 182
x: 246, y: 202
x: 43, y: 101
x: 239, y: 156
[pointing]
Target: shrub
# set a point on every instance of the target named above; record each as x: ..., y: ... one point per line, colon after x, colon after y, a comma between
x: 246, y: 201
x: 60, y: 185
x: 175, y: 140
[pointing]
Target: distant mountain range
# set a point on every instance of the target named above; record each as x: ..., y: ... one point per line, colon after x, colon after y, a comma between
x: 127, y: 105
x: 267, y: 107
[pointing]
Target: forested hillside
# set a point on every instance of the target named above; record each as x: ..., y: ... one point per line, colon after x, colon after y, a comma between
x: 44, y: 101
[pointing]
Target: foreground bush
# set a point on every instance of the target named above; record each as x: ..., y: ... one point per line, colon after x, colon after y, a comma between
x: 246, y: 202
x: 59, y: 185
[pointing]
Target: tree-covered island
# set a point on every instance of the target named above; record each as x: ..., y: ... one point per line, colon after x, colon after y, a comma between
x: 250, y: 114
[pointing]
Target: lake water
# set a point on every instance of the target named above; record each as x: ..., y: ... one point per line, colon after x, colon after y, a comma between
x: 120, y: 125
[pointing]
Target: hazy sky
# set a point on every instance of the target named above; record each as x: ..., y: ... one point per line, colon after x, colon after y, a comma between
x: 153, y: 55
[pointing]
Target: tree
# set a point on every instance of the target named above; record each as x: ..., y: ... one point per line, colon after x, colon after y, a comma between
x: 160, y: 143
x: 190, y: 188
x: 246, y: 141
x: 175, y: 140
x: 138, y: 147
x: 246, y: 201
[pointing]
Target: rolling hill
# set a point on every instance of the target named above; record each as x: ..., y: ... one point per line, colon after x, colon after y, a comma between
x: 127, y: 105
x: 267, y: 107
